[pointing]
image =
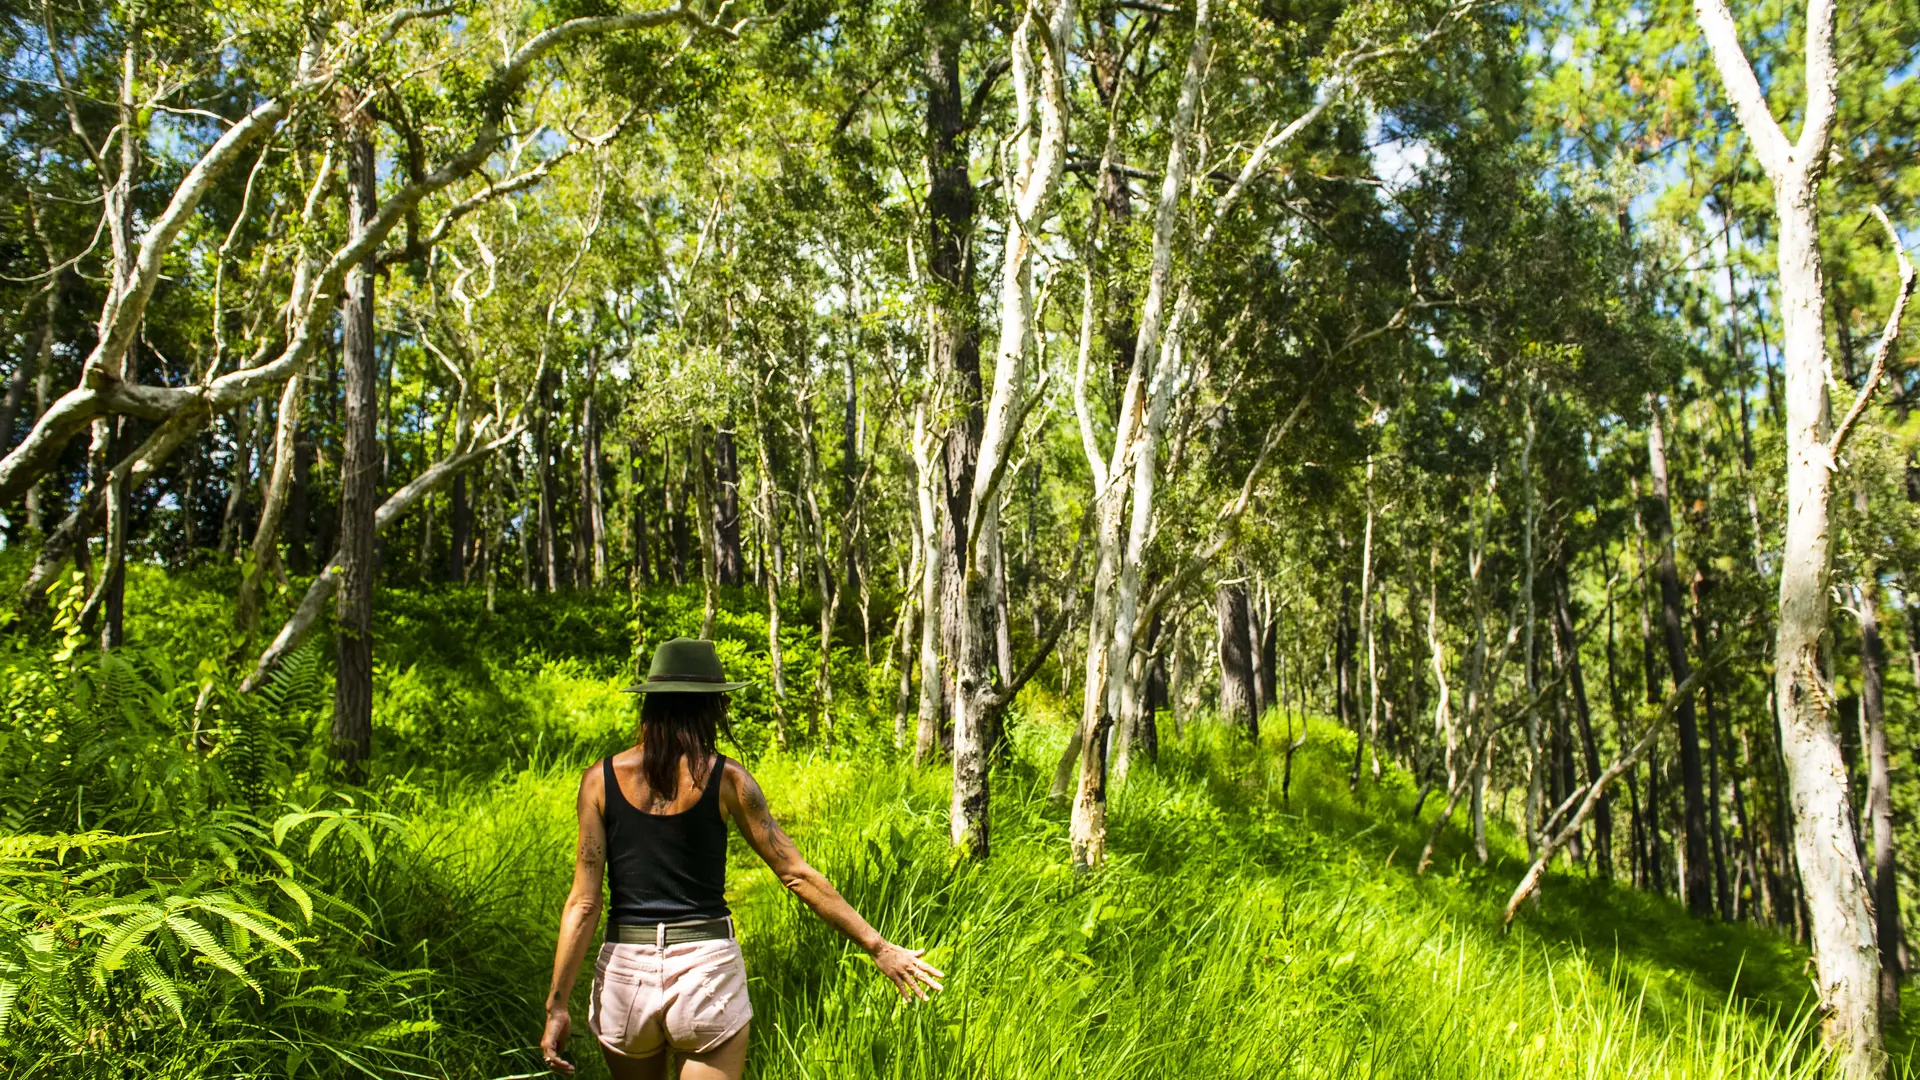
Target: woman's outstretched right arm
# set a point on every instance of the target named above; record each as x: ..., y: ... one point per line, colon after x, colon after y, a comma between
x: 747, y: 805
x: 577, y: 919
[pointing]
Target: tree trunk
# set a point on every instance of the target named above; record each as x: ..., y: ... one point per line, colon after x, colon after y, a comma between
x: 1537, y: 762
x: 359, y: 482
x: 1269, y: 649
x: 1589, y: 748
x: 459, y: 531
x: 1236, y: 671
x: 926, y: 738
x: 1844, y: 947
x: 1697, y: 885
x: 770, y: 530
x: 1365, y: 736
x: 1041, y: 145
x: 42, y: 389
x: 1256, y: 652
x: 548, y: 543
x: 1703, y: 642
x: 231, y: 520
x: 273, y: 509
x: 726, y: 507
x: 1879, y: 808
x: 300, y: 508
x: 1344, y: 706
x: 903, y: 645
x: 850, y: 464
x: 704, y: 511
x: 641, y: 570
x: 592, y: 499
x: 953, y: 338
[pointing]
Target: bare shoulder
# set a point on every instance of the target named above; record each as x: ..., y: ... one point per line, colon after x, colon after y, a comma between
x: 593, y: 787
x: 736, y: 782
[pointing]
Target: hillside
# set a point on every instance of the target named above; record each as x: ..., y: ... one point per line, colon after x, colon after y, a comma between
x: 1232, y: 933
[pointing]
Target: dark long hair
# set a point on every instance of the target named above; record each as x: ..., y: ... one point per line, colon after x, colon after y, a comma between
x: 673, y: 726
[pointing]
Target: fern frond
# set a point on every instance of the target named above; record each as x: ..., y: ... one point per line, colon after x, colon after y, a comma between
x: 156, y: 983
x: 202, y: 942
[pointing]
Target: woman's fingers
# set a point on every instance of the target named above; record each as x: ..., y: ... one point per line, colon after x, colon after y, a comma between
x: 911, y: 975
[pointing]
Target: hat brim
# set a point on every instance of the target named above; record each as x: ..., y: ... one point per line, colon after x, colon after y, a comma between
x: 675, y: 686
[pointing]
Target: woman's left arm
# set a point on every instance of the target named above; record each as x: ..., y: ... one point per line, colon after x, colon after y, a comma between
x: 577, y: 920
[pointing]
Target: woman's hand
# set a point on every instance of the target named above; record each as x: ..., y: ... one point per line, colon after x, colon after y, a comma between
x: 554, y: 1040
x: 903, y: 967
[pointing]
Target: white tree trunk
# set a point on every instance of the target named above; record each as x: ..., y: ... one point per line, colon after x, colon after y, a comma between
x: 1116, y: 584
x: 1041, y: 152
x: 926, y: 484
x: 1825, y: 845
x: 279, y: 485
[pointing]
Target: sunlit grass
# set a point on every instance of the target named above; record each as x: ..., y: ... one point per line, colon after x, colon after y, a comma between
x: 1229, y: 935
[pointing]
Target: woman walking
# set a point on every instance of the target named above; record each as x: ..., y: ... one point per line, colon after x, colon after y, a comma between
x: 653, y: 819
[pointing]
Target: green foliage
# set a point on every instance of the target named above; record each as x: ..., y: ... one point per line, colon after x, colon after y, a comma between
x: 212, y: 905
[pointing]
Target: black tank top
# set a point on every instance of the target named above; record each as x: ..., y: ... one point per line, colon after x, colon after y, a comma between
x: 666, y: 867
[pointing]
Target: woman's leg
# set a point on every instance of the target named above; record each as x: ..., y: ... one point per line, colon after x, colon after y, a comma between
x: 622, y: 1067
x: 724, y: 1062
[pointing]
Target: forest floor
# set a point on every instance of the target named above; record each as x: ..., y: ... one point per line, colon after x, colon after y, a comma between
x: 1232, y: 932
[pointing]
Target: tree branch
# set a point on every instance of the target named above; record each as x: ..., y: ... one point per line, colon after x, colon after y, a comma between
x: 297, y: 626
x: 1884, y: 350
x: 1743, y: 89
x: 1531, y: 880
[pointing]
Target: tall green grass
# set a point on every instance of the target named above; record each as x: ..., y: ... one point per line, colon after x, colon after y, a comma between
x: 1230, y: 934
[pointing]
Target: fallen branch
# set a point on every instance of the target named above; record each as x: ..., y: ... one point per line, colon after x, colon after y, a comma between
x: 1627, y: 760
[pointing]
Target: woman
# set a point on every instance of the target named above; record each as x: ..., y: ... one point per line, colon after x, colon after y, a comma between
x: 670, y: 974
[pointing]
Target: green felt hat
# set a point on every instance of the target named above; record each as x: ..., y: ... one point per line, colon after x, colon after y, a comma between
x: 685, y: 666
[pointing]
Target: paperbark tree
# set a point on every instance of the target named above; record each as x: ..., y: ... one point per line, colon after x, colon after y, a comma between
x: 182, y: 411
x: 953, y: 337
x: 1040, y: 146
x: 1845, y: 953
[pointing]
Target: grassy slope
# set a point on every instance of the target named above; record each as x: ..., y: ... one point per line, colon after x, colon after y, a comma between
x: 1230, y: 935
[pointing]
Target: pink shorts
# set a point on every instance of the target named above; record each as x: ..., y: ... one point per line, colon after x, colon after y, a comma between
x: 691, y: 996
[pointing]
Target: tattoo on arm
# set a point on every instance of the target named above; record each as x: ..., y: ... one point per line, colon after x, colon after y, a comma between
x: 762, y: 819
